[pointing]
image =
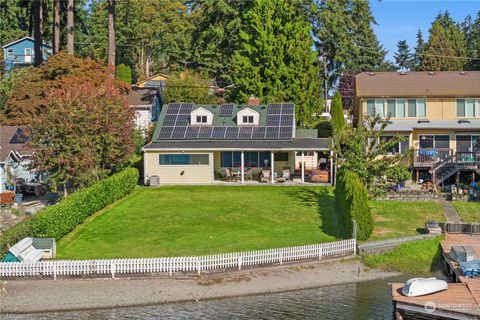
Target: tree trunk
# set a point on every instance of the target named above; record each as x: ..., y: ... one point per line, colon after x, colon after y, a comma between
x: 37, y: 31
x: 70, y: 27
x: 111, y: 36
x: 56, y: 26
x: 148, y: 62
x: 65, y: 192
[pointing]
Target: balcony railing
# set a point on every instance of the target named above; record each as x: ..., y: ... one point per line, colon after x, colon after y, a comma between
x: 428, y: 157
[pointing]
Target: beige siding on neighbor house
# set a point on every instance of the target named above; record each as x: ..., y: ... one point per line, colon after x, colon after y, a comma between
x: 172, y: 174
x: 437, y: 108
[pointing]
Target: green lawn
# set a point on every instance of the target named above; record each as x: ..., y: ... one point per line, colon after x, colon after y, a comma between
x: 193, y: 220
x: 468, y: 211
x: 401, y: 218
x: 418, y: 257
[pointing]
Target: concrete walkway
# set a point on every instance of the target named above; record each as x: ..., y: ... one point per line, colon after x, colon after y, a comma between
x: 449, y: 211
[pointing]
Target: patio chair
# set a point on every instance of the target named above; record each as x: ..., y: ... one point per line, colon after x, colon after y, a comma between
x: 265, y: 176
x: 249, y: 174
x: 228, y: 175
x: 285, y: 176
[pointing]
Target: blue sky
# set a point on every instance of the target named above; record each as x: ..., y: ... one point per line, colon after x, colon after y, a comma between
x: 400, y: 19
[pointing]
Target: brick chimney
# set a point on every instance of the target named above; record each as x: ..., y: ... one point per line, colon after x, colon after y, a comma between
x: 253, y: 101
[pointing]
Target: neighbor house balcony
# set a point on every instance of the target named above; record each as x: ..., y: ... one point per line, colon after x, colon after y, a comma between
x: 427, y: 158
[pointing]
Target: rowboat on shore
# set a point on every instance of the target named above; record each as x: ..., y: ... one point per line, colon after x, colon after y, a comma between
x: 422, y: 286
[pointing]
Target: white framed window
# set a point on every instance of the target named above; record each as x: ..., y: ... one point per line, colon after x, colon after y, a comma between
x: 466, y: 108
x: 10, y: 53
x: 202, y: 119
x: 247, y: 119
x: 28, y: 52
x: 375, y: 107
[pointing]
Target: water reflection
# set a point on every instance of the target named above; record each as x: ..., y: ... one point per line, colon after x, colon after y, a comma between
x: 367, y: 300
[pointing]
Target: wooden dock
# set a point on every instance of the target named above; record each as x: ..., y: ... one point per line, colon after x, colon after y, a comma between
x: 460, y: 301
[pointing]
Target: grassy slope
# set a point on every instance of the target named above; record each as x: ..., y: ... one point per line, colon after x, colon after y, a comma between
x: 421, y: 256
x: 468, y: 211
x: 400, y: 218
x: 196, y: 220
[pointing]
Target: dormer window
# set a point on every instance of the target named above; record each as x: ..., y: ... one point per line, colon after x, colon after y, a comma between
x: 247, y: 119
x: 201, y: 119
x: 201, y: 116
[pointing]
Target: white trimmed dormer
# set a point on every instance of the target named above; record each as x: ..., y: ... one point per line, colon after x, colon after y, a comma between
x: 248, y: 117
x: 201, y: 116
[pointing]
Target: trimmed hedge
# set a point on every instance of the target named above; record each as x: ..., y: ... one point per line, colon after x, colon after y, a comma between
x: 325, y: 129
x: 352, y: 201
x: 58, y: 220
x: 14, y: 234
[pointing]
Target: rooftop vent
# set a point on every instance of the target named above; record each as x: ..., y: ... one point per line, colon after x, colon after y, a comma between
x: 423, y: 120
x: 431, y: 73
x: 403, y: 73
x: 371, y: 73
x: 253, y: 101
x: 463, y: 73
x: 463, y: 121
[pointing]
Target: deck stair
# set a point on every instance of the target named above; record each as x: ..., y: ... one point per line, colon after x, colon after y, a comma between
x: 459, y: 161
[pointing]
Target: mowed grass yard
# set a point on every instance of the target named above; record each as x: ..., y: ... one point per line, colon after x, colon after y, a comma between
x: 194, y: 220
x: 468, y: 211
x: 402, y: 218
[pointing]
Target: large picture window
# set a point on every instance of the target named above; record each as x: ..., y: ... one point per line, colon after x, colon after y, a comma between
x: 251, y: 159
x: 184, y: 159
x: 399, y: 147
x: 437, y: 142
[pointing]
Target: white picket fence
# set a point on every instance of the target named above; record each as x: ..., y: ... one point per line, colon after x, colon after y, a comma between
x: 176, y: 264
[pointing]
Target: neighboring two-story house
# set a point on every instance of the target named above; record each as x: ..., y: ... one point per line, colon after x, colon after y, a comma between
x: 438, y: 113
x: 21, y: 53
x: 199, y: 144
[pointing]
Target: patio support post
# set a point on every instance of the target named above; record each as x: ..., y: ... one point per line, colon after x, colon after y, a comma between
x: 272, y: 162
x: 242, y: 169
x: 303, y: 167
x: 331, y: 168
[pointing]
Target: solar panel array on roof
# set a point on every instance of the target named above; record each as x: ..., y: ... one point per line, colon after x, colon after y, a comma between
x: 278, y: 125
x: 226, y: 110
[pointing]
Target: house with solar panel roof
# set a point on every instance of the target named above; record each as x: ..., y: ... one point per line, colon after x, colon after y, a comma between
x: 205, y: 144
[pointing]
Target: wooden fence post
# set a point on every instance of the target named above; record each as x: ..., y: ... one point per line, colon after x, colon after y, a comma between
x: 239, y: 263
x: 320, y: 252
x: 54, y: 271
x: 112, y: 268
x: 198, y: 266
x: 281, y: 257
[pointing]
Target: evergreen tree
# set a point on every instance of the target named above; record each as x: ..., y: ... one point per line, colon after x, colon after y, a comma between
x: 338, y: 120
x: 418, y: 55
x: 446, y: 46
x: 367, y: 52
x: 276, y: 62
x: 403, y: 56
x: 216, y: 35
x: 471, y: 31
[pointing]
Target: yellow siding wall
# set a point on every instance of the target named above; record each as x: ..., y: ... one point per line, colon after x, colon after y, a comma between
x: 437, y: 108
x: 171, y: 174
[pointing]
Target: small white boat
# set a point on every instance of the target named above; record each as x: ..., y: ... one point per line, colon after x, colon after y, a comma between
x: 422, y: 286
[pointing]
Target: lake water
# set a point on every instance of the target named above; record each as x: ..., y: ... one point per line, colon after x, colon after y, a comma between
x: 367, y: 300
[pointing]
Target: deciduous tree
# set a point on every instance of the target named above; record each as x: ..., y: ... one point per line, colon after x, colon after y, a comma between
x: 84, y: 134
x: 189, y: 86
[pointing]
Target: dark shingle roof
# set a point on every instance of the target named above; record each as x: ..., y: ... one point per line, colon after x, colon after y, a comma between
x: 295, y: 144
x: 141, y: 97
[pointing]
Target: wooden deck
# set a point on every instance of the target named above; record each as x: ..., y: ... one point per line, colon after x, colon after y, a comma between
x: 459, y: 239
x: 459, y: 301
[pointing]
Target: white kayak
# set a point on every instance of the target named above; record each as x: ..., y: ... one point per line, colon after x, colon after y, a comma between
x: 422, y: 286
